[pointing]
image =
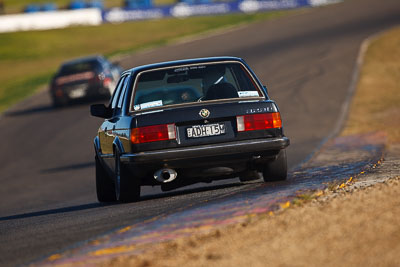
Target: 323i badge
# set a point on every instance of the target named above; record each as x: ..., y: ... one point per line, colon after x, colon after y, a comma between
x: 178, y: 123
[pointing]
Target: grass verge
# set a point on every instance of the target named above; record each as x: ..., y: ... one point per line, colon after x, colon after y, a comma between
x: 376, y: 104
x: 30, y: 57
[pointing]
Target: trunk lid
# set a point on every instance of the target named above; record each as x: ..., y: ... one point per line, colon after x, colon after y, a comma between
x: 204, y: 123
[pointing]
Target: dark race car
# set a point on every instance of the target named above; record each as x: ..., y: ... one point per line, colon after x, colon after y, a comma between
x: 84, y: 78
x: 183, y: 122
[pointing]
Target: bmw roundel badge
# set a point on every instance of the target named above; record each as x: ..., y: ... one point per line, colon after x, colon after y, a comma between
x: 204, y: 113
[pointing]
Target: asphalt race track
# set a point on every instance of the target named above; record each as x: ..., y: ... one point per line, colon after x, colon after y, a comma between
x: 47, y: 191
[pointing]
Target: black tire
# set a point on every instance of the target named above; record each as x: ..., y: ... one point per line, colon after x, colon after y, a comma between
x: 59, y: 103
x: 105, y: 188
x: 127, y: 188
x: 56, y: 104
x: 248, y: 175
x: 276, y: 170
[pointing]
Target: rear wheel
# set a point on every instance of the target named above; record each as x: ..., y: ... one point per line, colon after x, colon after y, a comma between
x: 276, y: 170
x: 59, y: 102
x: 104, y: 186
x: 248, y: 175
x: 127, y: 188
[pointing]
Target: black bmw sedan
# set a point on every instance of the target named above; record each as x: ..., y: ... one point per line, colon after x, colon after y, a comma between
x: 183, y: 122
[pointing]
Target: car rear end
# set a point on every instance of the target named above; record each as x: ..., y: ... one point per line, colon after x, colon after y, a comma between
x: 81, y: 79
x: 224, y: 144
x: 201, y: 135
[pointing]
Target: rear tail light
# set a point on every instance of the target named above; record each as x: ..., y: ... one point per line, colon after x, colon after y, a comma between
x: 106, y: 82
x: 87, y: 75
x: 153, y: 133
x: 59, y: 92
x: 95, y: 79
x: 258, y: 121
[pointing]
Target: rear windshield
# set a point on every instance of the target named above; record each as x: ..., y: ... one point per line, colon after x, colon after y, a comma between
x: 194, y: 83
x: 83, y: 66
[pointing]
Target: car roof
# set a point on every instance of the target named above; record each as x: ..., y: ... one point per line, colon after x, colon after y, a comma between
x: 183, y: 62
x: 83, y: 59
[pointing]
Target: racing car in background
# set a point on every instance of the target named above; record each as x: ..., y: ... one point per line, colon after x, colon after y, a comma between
x: 84, y: 78
x: 183, y: 122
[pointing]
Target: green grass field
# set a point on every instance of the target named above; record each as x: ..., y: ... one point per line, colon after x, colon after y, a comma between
x: 28, y: 59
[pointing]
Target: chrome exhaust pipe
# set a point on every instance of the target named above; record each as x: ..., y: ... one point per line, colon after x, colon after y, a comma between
x: 165, y: 175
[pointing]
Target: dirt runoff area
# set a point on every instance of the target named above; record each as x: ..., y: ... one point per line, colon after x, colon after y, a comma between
x: 351, y: 224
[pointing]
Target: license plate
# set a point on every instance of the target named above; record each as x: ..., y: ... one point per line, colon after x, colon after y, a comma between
x: 77, y: 92
x: 205, y: 130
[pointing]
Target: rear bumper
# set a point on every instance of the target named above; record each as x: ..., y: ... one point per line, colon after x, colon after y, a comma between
x: 238, y: 148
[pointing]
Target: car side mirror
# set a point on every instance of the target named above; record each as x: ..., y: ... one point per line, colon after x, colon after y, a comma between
x: 100, y: 110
